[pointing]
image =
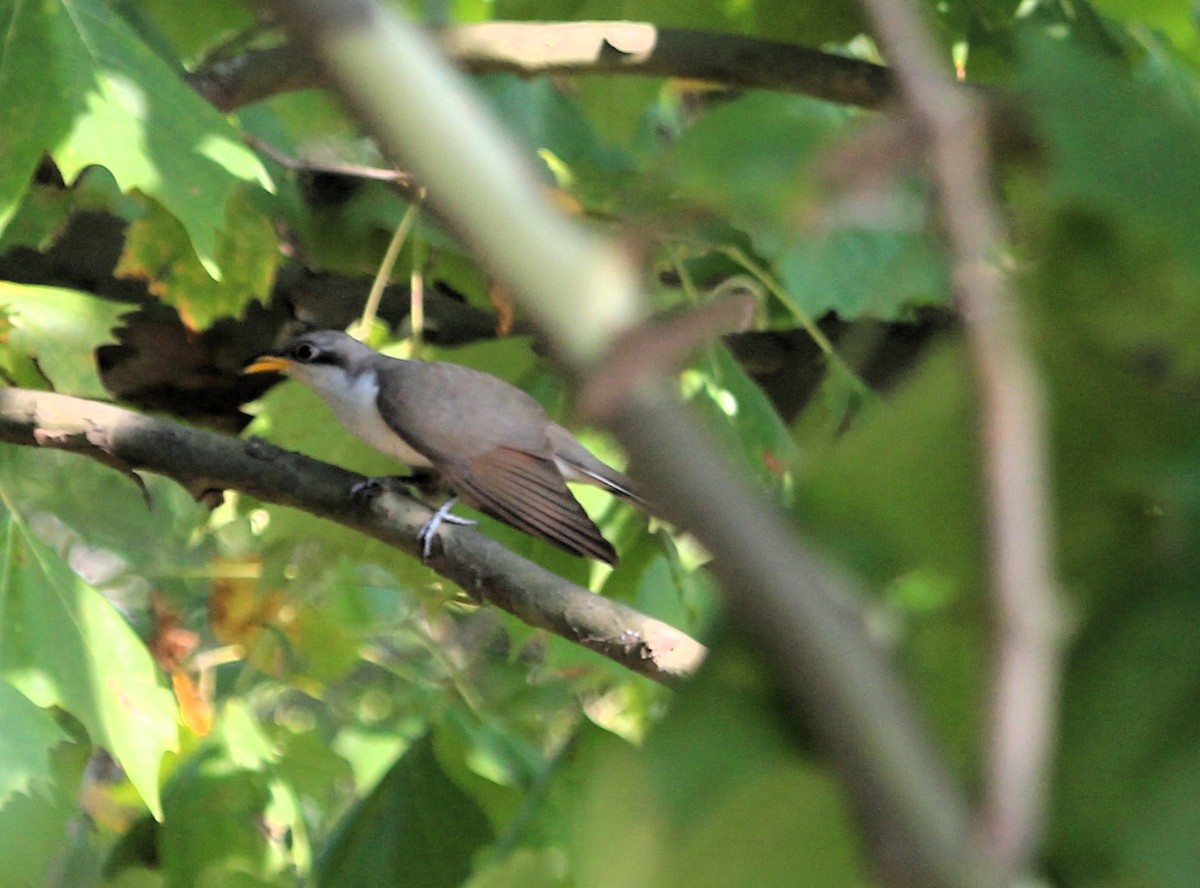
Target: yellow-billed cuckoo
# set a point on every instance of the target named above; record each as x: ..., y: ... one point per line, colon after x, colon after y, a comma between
x: 491, y: 443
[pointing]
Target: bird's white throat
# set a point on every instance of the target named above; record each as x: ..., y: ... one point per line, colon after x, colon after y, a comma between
x: 354, y: 400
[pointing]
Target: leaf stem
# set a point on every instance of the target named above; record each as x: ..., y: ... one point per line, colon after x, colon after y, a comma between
x: 738, y: 255
x: 385, y: 270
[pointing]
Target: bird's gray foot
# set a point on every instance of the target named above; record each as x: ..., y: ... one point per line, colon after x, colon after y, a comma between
x: 425, y: 536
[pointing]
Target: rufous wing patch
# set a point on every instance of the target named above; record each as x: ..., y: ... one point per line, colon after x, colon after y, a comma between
x: 528, y: 492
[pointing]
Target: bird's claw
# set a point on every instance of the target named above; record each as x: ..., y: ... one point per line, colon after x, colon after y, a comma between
x: 440, y: 516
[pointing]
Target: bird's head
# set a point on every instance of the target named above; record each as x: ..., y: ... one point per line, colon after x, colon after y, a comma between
x: 327, y: 361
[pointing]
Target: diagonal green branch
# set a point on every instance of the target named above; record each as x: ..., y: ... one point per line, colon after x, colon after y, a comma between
x: 206, y: 463
x: 582, y: 290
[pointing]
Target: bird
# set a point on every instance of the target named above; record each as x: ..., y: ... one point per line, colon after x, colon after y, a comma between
x: 490, y: 443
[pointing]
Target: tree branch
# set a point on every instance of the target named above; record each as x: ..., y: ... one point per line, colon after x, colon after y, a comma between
x: 425, y: 117
x: 1029, y: 618
x: 804, y: 612
x: 205, y: 463
x: 532, y: 48
x: 539, y: 48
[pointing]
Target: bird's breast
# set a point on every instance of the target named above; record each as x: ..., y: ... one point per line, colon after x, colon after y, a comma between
x: 357, y: 408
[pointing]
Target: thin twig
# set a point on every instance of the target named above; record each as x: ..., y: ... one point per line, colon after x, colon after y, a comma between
x: 403, y: 181
x: 385, y: 271
x: 416, y: 302
x: 1029, y: 630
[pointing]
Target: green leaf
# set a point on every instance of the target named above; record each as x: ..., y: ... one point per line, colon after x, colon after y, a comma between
x: 898, y: 492
x: 311, y: 767
x: 157, y: 250
x: 320, y: 639
x: 944, y: 652
x: 229, y: 819
x: 1175, y: 18
x: 61, y: 329
x: 1126, y: 433
x: 654, y: 580
x: 62, y: 644
x: 28, y: 736
x: 38, y: 220
x: 551, y: 122
x: 606, y: 780
x: 524, y: 868
x: 616, y: 105
x: 370, y: 753
x: 213, y: 820
x: 137, y: 877
x: 1114, y: 145
x: 28, y: 36
x: 749, y: 158
x: 1130, y: 763
x: 754, y: 835
x: 878, y: 272
x: 33, y: 828
x: 416, y: 828
x: 723, y: 795
x: 492, y: 764
x: 144, y: 544
x: 1115, y: 311
x: 192, y: 28
x: 808, y: 23
x: 742, y: 415
x: 896, y: 498
x: 102, y: 97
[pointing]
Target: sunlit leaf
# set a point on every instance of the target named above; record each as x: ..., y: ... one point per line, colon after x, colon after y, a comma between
x: 60, y: 329
x: 150, y: 540
x: 62, y: 644
x: 34, y: 827
x: 742, y: 415
x: 229, y: 818
x: 1176, y: 18
x: 158, y: 251
x: 29, y: 735
x: 109, y: 100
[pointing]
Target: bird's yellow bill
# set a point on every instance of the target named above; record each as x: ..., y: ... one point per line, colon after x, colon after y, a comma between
x: 267, y: 364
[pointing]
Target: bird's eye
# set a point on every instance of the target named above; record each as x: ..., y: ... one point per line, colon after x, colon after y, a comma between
x: 305, y: 353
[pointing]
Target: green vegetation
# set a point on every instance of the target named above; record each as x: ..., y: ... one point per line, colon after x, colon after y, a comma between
x: 200, y: 692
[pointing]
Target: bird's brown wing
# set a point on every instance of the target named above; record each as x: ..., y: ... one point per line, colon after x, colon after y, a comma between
x: 489, y: 441
x: 583, y: 465
x: 450, y: 412
x: 528, y: 492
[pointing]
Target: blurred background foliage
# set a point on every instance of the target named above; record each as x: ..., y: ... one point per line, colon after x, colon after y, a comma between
x: 250, y: 696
